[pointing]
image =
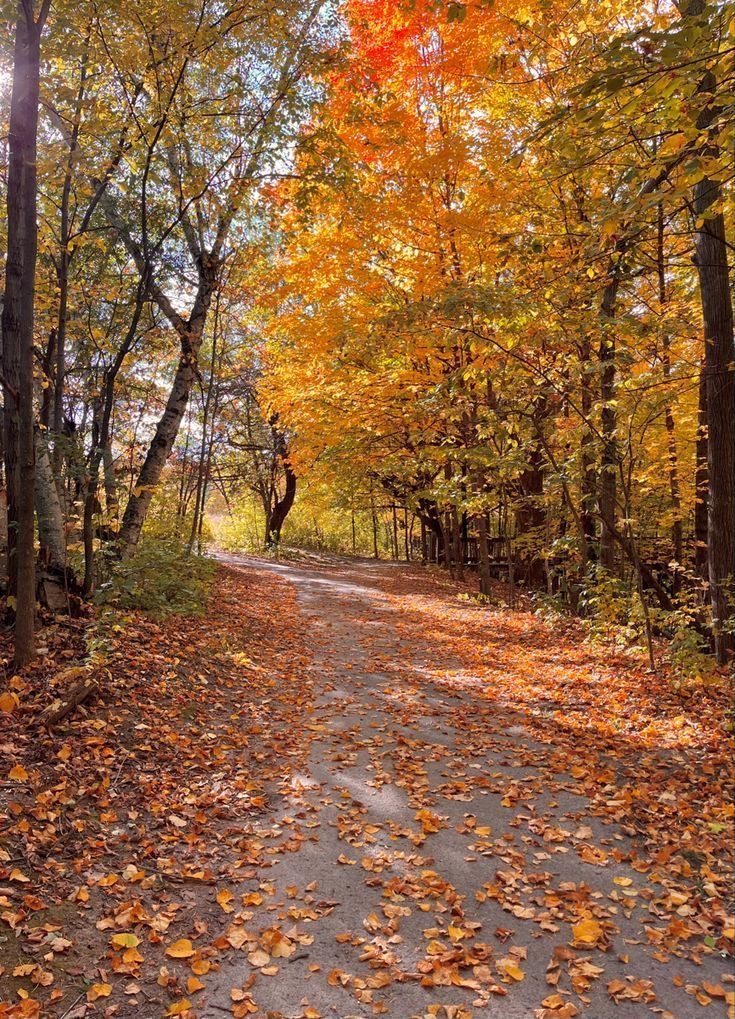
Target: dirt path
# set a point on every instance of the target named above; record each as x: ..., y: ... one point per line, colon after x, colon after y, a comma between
x: 448, y: 854
x: 346, y: 792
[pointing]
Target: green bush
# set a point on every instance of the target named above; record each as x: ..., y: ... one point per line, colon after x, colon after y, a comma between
x: 160, y: 578
x: 611, y: 609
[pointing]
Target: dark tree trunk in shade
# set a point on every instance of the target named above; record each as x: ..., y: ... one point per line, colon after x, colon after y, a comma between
x: 17, y: 326
x: 483, y: 554
x: 282, y: 508
x: 609, y: 458
x: 677, y: 536
x: 531, y: 522
x: 588, y: 499
x: 431, y: 519
x: 711, y: 257
x: 701, y: 481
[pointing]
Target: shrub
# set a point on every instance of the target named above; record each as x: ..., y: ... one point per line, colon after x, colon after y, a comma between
x: 160, y: 578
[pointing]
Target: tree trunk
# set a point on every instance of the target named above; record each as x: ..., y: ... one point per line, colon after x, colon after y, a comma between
x: 701, y: 484
x: 483, y: 554
x: 448, y: 546
x: 207, y: 472
x: 457, y: 546
x: 200, y: 486
x: 51, y: 534
x: 190, y: 333
x: 281, y: 509
x: 375, y: 526
x: 720, y: 360
x: 717, y: 315
x: 531, y: 518
x: 17, y: 326
x: 588, y: 474
x: 158, y: 453
x: 677, y: 540
x: 112, y: 504
x: 431, y: 518
x: 65, y: 256
x: 609, y: 458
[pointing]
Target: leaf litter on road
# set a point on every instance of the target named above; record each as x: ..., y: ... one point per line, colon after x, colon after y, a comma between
x: 266, y: 816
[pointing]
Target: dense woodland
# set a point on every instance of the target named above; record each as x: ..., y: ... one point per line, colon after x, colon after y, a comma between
x: 453, y: 280
x: 367, y: 517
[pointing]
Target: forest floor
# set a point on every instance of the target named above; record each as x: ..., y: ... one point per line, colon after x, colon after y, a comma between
x: 345, y: 791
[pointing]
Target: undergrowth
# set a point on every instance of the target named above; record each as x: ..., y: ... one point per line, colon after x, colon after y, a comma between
x: 161, y: 578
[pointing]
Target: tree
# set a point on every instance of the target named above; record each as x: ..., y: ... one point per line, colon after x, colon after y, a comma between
x: 17, y: 323
x: 715, y: 291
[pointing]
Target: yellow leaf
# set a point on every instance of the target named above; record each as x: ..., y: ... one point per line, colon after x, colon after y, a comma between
x: 224, y: 898
x: 124, y: 941
x: 179, y: 1007
x: 18, y: 773
x: 587, y: 932
x: 182, y: 949
x: 99, y: 991
x: 194, y: 984
x: 511, y: 969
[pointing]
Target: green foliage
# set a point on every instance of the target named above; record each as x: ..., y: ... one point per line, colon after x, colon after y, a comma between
x: 611, y: 609
x: 688, y: 653
x: 552, y: 608
x: 241, y: 531
x: 318, y: 521
x: 160, y: 578
x: 613, y: 614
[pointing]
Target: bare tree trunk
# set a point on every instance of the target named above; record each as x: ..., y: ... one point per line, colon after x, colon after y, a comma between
x: 112, y: 503
x: 160, y: 448
x: 448, y: 547
x: 717, y: 315
x: 180, y: 510
x: 199, y: 501
x: 65, y: 255
x: 457, y: 549
x: 588, y: 474
x: 51, y: 534
x: 375, y: 526
x: 701, y: 483
x: 676, y: 527
x: 17, y: 325
x: 282, y: 508
x: 531, y: 513
x: 609, y: 459
x: 483, y: 554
